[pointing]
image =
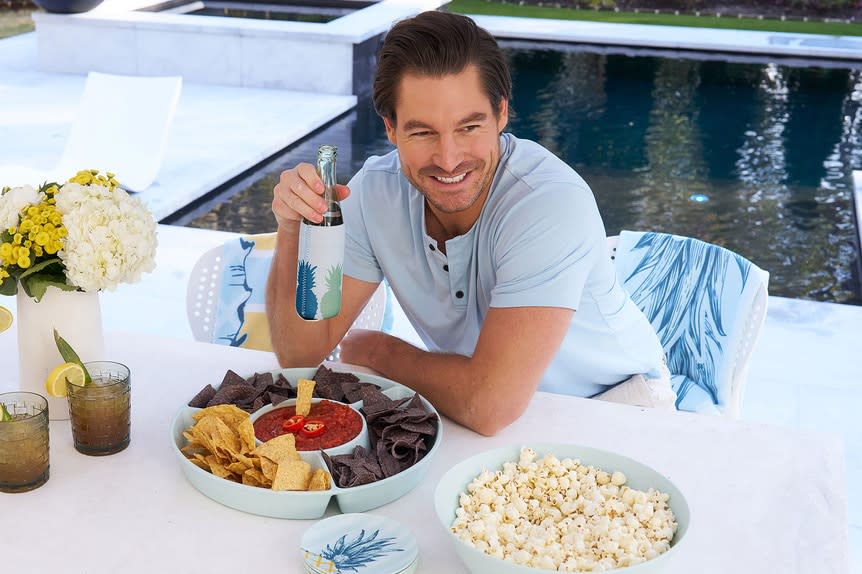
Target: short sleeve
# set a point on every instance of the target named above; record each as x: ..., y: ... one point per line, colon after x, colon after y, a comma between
x: 359, y: 259
x: 546, y: 246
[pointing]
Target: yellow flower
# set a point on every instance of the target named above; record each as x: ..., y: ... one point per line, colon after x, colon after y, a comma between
x: 23, y: 262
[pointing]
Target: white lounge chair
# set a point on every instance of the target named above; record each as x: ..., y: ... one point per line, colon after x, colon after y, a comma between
x: 121, y: 126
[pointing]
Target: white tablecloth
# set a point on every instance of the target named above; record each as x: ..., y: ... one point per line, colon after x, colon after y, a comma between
x: 763, y: 499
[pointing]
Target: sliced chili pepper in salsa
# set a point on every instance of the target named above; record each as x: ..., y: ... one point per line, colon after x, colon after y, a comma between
x: 313, y: 428
x: 293, y: 424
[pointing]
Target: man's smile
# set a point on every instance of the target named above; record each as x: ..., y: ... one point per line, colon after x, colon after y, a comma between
x: 454, y: 179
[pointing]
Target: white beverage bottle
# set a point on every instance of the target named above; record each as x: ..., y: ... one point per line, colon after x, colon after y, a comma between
x: 321, y: 251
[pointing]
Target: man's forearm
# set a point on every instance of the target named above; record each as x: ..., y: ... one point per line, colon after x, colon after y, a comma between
x: 462, y: 388
x: 296, y: 343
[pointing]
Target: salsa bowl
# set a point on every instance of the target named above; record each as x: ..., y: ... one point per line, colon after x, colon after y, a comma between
x: 308, y: 504
x: 346, y: 446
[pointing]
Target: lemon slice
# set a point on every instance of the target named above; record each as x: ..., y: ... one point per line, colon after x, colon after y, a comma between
x: 55, y: 384
x: 5, y: 318
x: 4, y: 414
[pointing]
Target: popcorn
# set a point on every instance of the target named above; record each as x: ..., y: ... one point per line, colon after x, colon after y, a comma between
x: 562, y: 515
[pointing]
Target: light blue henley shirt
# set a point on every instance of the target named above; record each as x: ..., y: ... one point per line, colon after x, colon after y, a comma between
x: 539, y: 241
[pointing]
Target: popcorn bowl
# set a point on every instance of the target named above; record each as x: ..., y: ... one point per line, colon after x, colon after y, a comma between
x: 638, y: 475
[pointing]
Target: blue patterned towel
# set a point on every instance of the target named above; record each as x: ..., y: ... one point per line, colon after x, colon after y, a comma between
x: 698, y: 297
x: 240, y: 317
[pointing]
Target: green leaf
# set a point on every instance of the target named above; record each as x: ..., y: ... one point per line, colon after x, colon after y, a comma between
x: 36, y: 279
x: 36, y: 285
x: 8, y: 286
x: 70, y: 356
x: 44, y: 264
x: 4, y: 414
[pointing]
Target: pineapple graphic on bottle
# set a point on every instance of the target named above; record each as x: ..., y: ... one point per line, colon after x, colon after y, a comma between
x: 321, y: 251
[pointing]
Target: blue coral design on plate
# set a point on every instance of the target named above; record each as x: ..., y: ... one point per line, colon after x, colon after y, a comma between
x: 359, y: 544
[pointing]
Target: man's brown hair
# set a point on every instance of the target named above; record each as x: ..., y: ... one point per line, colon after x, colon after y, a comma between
x: 438, y: 44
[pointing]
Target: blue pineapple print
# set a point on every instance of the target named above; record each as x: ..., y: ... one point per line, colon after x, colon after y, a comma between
x: 357, y: 553
x: 306, y: 300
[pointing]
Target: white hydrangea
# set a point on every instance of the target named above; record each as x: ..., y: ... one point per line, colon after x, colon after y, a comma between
x: 13, y: 202
x: 111, y: 236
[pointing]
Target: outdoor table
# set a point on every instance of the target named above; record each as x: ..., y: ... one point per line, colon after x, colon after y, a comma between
x: 762, y: 498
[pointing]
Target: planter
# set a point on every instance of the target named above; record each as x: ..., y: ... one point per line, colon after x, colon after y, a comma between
x: 67, y: 6
x: 77, y: 317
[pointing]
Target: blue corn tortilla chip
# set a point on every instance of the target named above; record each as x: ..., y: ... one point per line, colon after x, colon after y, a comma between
x: 203, y: 397
x: 234, y: 394
x: 355, y: 469
x: 261, y: 381
x: 231, y: 378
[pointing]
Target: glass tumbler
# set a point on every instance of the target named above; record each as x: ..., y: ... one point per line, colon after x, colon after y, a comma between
x: 101, y: 410
x: 23, y: 442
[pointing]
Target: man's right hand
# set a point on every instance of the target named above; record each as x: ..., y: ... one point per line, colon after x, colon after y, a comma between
x: 299, y: 194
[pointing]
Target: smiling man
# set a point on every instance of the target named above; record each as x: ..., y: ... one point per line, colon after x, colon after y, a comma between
x: 493, y: 246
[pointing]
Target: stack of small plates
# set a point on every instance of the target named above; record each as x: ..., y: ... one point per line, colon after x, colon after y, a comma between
x: 359, y: 544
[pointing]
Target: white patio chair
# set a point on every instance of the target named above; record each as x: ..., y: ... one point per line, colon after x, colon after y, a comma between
x: 226, y: 295
x: 121, y: 125
x: 707, y: 305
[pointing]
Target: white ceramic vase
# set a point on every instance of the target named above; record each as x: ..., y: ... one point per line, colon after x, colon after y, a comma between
x: 77, y: 317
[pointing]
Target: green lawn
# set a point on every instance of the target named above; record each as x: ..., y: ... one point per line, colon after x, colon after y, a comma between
x: 18, y: 22
x: 496, y: 8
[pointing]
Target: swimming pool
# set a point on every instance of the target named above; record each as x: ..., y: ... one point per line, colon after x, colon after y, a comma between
x: 753, y: 155
x: 285, y: 10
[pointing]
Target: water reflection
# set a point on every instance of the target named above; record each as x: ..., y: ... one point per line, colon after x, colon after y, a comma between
x: 771, y: 148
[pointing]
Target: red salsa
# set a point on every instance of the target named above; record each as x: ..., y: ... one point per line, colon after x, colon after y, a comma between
x: 340, y: 424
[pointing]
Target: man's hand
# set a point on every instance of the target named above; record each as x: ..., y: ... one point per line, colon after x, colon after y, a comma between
x: 364, y: 346
x: 299, y: 194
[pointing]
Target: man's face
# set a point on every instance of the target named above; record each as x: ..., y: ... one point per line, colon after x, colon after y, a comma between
x: 448, y: 139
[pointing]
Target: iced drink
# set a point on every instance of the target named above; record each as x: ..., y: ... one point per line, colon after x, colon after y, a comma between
x: 23, y: 441
x: 101, y: 410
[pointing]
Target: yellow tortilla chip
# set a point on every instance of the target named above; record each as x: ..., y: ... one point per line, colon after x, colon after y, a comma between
x: 238, y: 468
x: 222, y: 440
x: 245, y: 429
x: 254, y: 477
x: 218, y: 469
x: 230, y: 414
x: 279, y: 449
x: 268, y: 468
x: 292, y: 475
x: 198, y: 461
x: 320, y: 480
x: 304, y: 389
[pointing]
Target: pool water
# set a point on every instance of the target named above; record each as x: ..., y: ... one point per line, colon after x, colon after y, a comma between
x: 754, y: 156
x: 288, y: 14
x: 283, y: 10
